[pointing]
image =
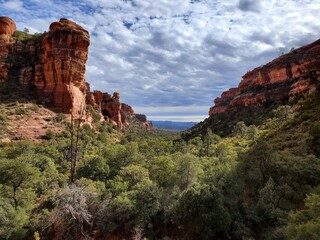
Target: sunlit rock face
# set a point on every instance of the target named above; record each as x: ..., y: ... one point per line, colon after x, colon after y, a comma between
x: 53, y: 64
x: 7, y: 29
x: 65, y: 52
x: 286, y: 77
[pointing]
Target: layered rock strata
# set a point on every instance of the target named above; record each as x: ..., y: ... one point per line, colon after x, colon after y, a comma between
x: 284, y: 78
x: 7, y: 29
x: 113, y: 110
x: 54, y: 64
x: 65, y: 52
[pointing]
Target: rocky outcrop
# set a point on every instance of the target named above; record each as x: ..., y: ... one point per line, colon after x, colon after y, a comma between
x: 143, y: 119
x: 7, y: 29
x: 127, y: 109
x: 65, y: 52
x: 113, y: 111
x: 109, y: 106
x: 53, y: 63
x: 127, y: 113
x: 7, y: 26
x: 280, y: 80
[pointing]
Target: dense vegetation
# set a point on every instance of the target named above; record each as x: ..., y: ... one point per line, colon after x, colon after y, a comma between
x: 260, y: 182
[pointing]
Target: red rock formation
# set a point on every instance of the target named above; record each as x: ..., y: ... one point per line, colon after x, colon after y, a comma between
x: 98, y: 97
x: 65, y: 52
x: 113, y: 111
x: 110, y: 107
x: 7, y: 28
x: 126, y: 113
x: 303, y: 86
x: 217, y: 109
x: 55, y: 64
x: 248, y: 99
x: 143, y: 119
x: 127, y: 109
x: 274, y: 83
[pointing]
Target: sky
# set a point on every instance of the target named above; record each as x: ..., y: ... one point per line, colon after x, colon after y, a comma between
x: 170, y: 59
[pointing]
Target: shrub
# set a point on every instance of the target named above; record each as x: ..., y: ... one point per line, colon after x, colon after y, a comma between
x: 49, y: 134
x: 3, y: 118
x: 21, y: 111
x: 60, y: 117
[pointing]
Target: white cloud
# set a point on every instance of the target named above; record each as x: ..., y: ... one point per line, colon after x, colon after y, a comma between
x: 13, y: 5
x: 175, y: 53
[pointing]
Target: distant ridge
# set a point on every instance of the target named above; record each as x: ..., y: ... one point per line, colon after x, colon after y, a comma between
x: 173, y: 126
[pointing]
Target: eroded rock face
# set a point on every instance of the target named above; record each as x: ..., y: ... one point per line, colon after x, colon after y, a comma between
x: 113, y: 111
x: 7, y: 28
x: 65, y: 52
x: 127, y: 109
x: 288, y: 76
x: 126, y: 113
x: 54, y: 63
x: 143, y: 119
x: 110, y: 106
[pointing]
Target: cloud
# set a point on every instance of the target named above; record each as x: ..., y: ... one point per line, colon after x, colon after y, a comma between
x: 175, y: 53
x: 13, y: 5
x: 250, y: 5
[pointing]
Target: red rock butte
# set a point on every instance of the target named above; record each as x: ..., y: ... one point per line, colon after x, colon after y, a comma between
x: 54, y: 63
x: 286, y: 77
x: 65, y: 52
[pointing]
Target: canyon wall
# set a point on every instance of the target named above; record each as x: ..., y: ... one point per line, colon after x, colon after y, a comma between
x: 7, y: 29
x: 286, y: 77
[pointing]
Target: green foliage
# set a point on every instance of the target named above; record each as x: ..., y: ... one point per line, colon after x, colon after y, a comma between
x: 305, y: 223
x: 60, y: 117
x: 95, y: 116
x: 21, y: 111
x: 202, y: 215
x: 314, y: 141
x: 240, y: 129
x: 250, y: 185
x: 3, y: 118
x: 49, y: 134
x: 12, y: 221
x: 282, y: 113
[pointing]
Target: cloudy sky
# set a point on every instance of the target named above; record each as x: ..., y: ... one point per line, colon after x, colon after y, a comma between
x: 170, y: 58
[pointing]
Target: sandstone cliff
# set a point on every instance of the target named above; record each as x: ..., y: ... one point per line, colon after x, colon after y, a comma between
x: 7, y: 28
x: 53, y: 64
x: 113, y: 110
x: 59, y: 75
x: 280, y: 80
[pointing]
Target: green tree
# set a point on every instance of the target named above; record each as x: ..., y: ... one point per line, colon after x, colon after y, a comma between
x: 240, y: 129
x: 201, y: 214
x: 305, y: 223
x: 252, y: 132
x: 187, y: 170
x: 21, y: 177
x: 314, y: 141
x: 208, y: 139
